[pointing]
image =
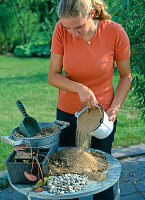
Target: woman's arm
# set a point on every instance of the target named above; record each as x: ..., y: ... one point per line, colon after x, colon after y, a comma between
x: 122, y: 89
x: 56, y: 79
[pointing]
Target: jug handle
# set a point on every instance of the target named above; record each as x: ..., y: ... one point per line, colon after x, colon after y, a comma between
x: 77, y: 112
x: 101, y: 120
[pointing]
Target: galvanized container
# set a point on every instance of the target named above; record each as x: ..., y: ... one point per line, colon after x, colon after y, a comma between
x: 40, y: 142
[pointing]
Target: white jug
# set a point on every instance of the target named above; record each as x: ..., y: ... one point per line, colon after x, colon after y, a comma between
x: 105, y: 127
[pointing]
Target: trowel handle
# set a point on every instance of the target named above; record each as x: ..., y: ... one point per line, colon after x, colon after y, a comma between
x: 21, y: 108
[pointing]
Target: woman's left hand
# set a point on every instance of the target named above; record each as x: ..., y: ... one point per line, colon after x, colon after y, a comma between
x: 112, y: 114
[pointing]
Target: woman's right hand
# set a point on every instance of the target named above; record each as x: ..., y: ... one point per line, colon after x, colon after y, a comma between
x: 87, y: 96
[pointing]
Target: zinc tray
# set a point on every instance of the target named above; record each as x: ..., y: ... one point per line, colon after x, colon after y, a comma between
x: 113, y: 172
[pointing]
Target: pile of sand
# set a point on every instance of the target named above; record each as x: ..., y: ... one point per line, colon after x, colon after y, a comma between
x: 76, y: 160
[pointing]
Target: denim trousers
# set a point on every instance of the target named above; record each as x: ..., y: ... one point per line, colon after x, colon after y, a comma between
x: 67, y: 139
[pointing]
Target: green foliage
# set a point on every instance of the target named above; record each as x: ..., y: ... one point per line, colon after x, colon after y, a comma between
x: 47, y: 12
x: 27, y: 18
x: 130, y: 13
x: 32, y: 50
x: 10, y: 34
x: 136, y: 29
x: 139, y: 91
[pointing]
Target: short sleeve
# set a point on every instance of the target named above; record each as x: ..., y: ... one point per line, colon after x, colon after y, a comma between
x: 57, y: 39
x: 122, y: 44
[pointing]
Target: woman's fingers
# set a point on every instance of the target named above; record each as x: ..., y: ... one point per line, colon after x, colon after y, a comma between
x: 112, y: 118
x: 92, y: 102
x: 87, y: 96
x: 112, y: 114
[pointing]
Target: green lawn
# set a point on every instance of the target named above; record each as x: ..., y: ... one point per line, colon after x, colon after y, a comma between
x: 26, y: 79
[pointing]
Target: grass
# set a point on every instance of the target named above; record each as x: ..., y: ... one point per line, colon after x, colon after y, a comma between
x: 26, y: 79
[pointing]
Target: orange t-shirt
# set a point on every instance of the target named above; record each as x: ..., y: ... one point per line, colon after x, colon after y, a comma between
x: 90, y: 64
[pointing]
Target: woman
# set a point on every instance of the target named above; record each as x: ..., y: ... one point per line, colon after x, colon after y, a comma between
x: 86, y: 43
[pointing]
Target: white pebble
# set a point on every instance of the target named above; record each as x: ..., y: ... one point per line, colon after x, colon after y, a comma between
x: 67, y: 183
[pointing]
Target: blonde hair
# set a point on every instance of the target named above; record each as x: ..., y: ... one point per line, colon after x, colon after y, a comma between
x: 82, y: 8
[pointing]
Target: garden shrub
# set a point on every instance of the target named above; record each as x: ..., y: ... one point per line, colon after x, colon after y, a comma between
x: 32, y: 50
x: 25, y: 19
x: 130, y: 13
x: 10, y: 34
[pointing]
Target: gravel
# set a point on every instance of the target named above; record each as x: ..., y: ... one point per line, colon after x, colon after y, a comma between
x: 66, y: 183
